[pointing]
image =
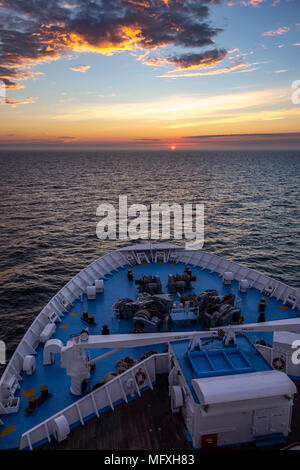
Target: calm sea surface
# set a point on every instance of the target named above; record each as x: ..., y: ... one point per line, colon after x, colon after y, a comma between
x: 48, y: 214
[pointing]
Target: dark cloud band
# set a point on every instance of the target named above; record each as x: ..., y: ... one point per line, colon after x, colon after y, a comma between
x: 34, y: 31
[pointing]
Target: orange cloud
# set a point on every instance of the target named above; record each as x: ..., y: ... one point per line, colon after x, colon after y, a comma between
x: 277, y: 32
x: 253, y: 3
x: 12, y: 102
x: 189, y: 61
x: 80, y: 68
x: 102, y: 27
x: 246, y: 67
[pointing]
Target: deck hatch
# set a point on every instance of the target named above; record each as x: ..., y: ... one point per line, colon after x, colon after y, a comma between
x: 219, y: 362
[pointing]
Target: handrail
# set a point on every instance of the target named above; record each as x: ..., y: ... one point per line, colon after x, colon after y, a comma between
x: 87, y: 406
x: 260, y: 281
x: 206, y: 260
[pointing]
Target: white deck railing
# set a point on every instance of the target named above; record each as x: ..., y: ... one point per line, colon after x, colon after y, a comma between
x: 105, y: 264
x: 106, y: 396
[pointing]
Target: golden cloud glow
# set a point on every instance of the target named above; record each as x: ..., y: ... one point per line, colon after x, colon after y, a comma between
x: 80, y: 68
x: 130, y: 38
x: 248, y: 67
x: 277, y: 32
x: 12, y: 102
x: 179, y: 107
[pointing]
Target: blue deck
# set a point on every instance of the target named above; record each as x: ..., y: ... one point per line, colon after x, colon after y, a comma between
x: 215, y: 359
x: 225, y: 361
x: 117, y: 286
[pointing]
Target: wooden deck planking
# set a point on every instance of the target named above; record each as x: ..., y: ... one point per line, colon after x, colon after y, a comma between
x: 147, y: 424
x: 144, y: 424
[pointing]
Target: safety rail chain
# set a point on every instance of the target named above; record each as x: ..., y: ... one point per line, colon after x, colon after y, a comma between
x: 108, y: 395
x: 106, y: 264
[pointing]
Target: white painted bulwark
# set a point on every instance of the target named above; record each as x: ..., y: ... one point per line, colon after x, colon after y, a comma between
x: 99, y: 399
x: 54, y: 312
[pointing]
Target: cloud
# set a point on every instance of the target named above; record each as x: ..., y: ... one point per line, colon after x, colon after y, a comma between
x: 253, y: 3
x: 80, y: 68
x: 35, y: 31
x: 248, y: 3
x: 254, y: 140
x: 148, y: 140
x: 108, y: 95
x: 8, y: 75
x: 192, y: 60
x: 179, y: 110
x: 289, y: 135
x: 238, y: 67
x: 66, y: 138
x: 245, y: 3
x: 277, y: 32
x: 12, y: 102
x: 70, y: 5
x: 67, y: 100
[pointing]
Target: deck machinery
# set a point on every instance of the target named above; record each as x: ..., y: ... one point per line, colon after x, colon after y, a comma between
x: 227, y: 392
x: 230, y: 383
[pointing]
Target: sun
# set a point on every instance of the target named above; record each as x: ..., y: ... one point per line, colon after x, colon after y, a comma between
x: 173, y: 147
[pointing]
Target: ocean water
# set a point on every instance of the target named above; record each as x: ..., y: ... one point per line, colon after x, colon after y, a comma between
x: 48, y: 214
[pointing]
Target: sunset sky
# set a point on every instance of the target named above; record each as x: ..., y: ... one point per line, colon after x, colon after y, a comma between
x: 149, y: 73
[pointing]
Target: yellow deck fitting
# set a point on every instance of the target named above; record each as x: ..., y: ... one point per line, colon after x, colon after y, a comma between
x: 283, y: 307
x: 64, y: 327
x: 73, y: 314
x: 8, y: 430
x: 28, y: 392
